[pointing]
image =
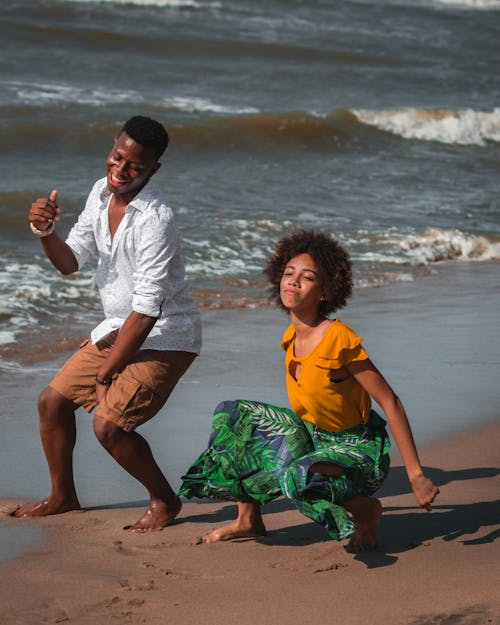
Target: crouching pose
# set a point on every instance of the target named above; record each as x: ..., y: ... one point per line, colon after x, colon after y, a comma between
x: 329, y: 453
x: 150, y: 333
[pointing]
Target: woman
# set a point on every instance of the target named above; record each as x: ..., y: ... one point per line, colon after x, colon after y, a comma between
x: 330, y: 453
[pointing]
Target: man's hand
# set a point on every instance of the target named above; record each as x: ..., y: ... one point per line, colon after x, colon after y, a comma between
x: 100, y: 392
x: 44, y: 211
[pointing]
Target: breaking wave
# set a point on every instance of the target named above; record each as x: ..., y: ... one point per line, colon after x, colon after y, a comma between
x: 465, y: 127
x: 435, y: 245
x: 472, y: 4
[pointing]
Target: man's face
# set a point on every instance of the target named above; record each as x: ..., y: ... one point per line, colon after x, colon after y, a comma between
x: 129, y: 167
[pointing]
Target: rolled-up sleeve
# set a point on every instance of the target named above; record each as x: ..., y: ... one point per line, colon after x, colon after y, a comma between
x: 154, y: 275
x: 81, y: 238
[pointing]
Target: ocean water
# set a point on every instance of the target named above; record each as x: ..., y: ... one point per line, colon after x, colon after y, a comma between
x: 377, y: 120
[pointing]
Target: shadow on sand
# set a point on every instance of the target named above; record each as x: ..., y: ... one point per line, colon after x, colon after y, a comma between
x: 402, y: 528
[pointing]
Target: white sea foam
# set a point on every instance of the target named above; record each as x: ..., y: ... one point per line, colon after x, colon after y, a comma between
x: 435, y: 244
x: 472, y: 4
x: 193, y: 104
x: 379, y: 258
x: 383, y: 278
x: 7, y: 337
x: 243, y: 249
x: 31, y: 296
x: 173, y: 4
x: 224, y: 259
x: 28, y: 289
x: 50, y: 94
x: 465, y: 127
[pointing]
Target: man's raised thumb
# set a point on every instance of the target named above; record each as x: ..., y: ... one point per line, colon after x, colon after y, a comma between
x: 53, y: 196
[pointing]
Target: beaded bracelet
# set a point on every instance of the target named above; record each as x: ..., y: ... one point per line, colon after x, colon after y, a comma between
x: 106, y: 382
x: 42, y: 233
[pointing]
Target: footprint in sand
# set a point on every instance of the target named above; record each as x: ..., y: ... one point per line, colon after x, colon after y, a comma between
x: 301, y: 566
x: 123, y: 609
x: 121, y: 547
x: 330, y: 567
x: 55, y: 612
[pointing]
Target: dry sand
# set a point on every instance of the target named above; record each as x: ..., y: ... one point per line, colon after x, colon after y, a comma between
x: 439, y: 568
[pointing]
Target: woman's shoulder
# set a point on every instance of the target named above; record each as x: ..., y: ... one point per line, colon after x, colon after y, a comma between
x: 288, y: 336
x: 339, y: 339
x: 340, y: 329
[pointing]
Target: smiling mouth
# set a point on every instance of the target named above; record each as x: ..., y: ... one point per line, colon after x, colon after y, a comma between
x: 116, y: 182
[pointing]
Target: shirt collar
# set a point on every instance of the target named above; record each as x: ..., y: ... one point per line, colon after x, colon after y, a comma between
x: 139, y: 202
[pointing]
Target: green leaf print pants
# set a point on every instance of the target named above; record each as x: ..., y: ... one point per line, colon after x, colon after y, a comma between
x: 258, y: 452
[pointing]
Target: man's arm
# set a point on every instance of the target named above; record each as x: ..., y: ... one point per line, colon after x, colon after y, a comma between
x: 44, y: 212
x: 155, y: 244
x: 132, y: 335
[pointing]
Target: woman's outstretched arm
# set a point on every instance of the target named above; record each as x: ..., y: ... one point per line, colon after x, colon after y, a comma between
x: 379, y: 389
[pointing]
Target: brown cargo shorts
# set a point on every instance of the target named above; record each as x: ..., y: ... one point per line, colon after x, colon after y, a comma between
x: 137, y: 392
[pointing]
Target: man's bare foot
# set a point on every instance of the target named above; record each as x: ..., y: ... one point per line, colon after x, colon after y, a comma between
x: 236, y: 529
x: 366, y: 515
x: 156, y: 517
x: 46, y: 507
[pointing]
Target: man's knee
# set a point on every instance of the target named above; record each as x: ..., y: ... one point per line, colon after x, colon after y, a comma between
x: 53, y: 406
x: 107, y: 433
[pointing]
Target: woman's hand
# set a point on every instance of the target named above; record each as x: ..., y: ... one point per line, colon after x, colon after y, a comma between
x: 377, y: 387
x: 425, y: 491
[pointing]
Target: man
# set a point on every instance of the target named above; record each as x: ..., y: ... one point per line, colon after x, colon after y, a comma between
x: 149, y: 337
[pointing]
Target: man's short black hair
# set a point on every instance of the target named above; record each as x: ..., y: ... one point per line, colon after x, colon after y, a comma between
x: 147, y: 132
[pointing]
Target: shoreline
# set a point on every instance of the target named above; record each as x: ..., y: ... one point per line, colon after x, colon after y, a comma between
x: 70, y: 331
x: 429, y: 568
x: 435, y: 340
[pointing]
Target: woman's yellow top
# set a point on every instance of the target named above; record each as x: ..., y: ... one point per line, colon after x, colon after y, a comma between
x: 315, y: 396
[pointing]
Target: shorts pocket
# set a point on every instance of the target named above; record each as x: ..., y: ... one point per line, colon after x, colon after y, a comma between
x: 131, y: 404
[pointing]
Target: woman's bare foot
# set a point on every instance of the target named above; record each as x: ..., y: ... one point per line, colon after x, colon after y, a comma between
x: 236, y: 529
x: 157, y: 516
x: 249, y: 524
x: 366, y: 513
x: 46, y: 507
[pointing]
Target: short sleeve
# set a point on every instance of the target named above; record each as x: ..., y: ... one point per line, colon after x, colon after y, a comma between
x: 340, y: 347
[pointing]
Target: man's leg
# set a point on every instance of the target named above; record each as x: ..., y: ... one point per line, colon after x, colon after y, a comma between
x: 124, y: 408
x: 134, y: 454
x: 58, y: 434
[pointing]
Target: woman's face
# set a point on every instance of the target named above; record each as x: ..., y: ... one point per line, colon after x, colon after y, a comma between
x: 301, y: 285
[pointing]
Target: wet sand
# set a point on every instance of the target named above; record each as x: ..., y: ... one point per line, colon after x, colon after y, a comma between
x: 436, y: 341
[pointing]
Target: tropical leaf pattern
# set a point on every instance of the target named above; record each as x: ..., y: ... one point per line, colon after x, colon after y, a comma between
x: 258, y: 452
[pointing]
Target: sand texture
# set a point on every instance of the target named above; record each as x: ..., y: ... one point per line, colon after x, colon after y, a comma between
x: 439, y: 568
x: 435, y: 340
